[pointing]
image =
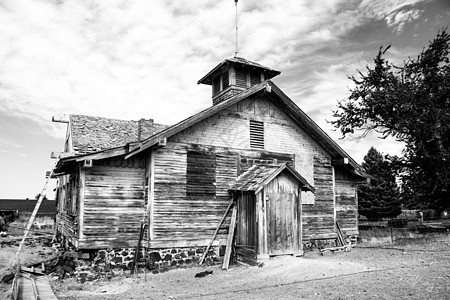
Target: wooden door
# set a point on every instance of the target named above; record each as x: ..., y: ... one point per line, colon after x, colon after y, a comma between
x: 246, y: 228
x: 282, y: 229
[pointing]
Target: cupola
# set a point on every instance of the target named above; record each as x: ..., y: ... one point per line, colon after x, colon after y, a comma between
x: 235, y: 75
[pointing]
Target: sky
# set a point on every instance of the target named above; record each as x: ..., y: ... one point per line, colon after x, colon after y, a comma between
x: 142, y: 59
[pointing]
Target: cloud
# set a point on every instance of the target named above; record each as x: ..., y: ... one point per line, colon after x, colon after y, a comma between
x: 396, y: 13
x: 8, y: 142
x: 398, y: 19
x: 139, y: 59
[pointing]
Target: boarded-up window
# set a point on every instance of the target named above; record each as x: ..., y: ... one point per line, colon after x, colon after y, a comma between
x: 256, y: 134
x: 201, y: 174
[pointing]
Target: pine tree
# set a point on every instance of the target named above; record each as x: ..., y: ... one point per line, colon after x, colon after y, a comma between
x: 379, y: 197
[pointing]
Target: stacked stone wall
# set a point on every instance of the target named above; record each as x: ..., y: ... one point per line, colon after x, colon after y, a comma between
x: 161, y: 260
x: 310, y: 245
x: 114, y: 262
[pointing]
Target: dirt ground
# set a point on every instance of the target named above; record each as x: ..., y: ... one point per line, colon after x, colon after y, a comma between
x: 32, y: 252
x: 412, y: 269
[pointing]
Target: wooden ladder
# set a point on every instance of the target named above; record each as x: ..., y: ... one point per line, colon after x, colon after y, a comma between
x: 229, y: 247
x: 33, y: 214
x: 216, y: 231
x: 134, y: 265
x: 340, y: 237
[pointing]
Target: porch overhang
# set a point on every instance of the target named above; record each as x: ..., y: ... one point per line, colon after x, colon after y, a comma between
x: 258, y: 176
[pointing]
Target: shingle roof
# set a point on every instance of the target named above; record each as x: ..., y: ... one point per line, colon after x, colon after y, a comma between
x: 90, y: 134
x: 260, y: 175
x: 242, y: 62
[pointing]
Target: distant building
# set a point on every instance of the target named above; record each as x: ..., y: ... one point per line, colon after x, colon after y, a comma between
x: 11, y: 206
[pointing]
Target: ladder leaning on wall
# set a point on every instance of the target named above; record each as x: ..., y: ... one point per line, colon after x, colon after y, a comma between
x: 33, y: 214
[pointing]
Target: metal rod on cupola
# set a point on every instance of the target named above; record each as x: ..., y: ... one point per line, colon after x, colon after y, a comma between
x: 237, y: 49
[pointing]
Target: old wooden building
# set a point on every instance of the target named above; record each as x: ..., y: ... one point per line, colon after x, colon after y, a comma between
x: 180, y: 179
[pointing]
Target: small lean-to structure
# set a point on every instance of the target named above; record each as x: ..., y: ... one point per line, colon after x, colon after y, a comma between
x: 179, y: 179
x: 268, y: 199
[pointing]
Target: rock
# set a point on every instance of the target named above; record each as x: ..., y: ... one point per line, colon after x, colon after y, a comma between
x: 75, y: 288
x: 204, y: 273
x: 8, y: 278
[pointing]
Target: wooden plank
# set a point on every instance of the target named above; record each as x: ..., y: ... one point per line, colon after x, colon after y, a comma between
x: 339, y: 235
x: 228, y: 249
x: 151, y: 195
x: 299, y: 221
x: 32, y: 270
x: 246, y: 254
x: 215, y: 232
x: 246, y: 251
x: 260, y: 222
x: 61, y: 118
x: 138, y: 246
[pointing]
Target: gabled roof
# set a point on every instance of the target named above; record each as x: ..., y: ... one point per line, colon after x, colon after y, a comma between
x: 258, y: 176
x: 241, y: 62
x: 98, y: 138
x: 279, y: 99
x: 155, y: 139
x: 266, y: 88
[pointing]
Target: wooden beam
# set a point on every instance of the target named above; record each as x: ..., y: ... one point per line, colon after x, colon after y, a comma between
x: 151, y: 196
x: 226, y: 259
x: 88, y: 163
x: 340, y: 238
x: 340, y: 161
x: 162, y: 142
x: 216, y: 231
x: 103, y: 154
x: 61, y: 118
x: 81, y: 192
x: 57, y: 155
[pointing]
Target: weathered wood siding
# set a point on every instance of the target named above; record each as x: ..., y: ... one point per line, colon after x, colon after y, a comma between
x: 346, y: 201
x: 230, y: 128
x: 114, y: 203
x: 182, y: 215
x: 67, y: 215
x: 318, y: 219
x: 191, y: 185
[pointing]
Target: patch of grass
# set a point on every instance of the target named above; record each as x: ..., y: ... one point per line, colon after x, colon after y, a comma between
x: 406, y: 237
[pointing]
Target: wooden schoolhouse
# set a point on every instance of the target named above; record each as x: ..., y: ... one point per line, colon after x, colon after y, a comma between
x: 253, y: 147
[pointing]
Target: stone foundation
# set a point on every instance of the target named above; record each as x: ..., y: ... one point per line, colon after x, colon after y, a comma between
x: 310, y: 245
x: 160, y: 260
x: 115, y: 262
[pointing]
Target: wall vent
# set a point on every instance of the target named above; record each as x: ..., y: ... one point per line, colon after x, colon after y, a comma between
x: 256, y: 134
x: 255, y: 78
x: 241, y: 78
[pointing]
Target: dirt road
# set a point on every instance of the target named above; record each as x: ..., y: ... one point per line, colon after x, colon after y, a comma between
x: 411, y: 271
